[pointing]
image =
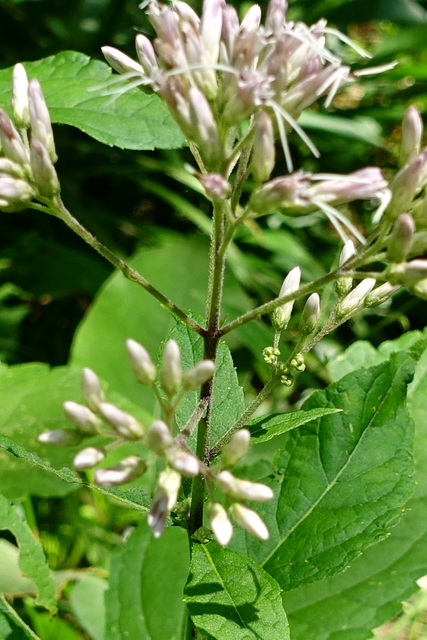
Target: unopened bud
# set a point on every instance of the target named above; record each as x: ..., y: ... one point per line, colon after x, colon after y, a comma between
x: 11, y: 142
x: 61, y: 437
x: 298, y: 362
x: 126, y: 470
x: 406, y: 185
x: 281, y: 316
x: 82, y: 417
x: 407, y: 274
x: 270, y: 355
x: 343, y: 285
x: 41, y: 127
x: 250, y: 521
x: 215, y: 185
x: 146, y: 54
x: 204, y: 130
x: 142, y: 365
x: 14, y: 193
x: 420, y: 289
x: 310, y: 315
x: 164, y: 499
x: 355, y: 299
x: 88, y: 458
x: 43, y: 171
x: 171, y: 368
x: 158, y: 437
x: 287, y: 190
x: 243, y: 489
x: 236, y: 448
x: 412, y: 133
x: 198, y: 375
x: 401, y: 238
x: 263, y: 152
x: 220, y: 523
x: 123, y: 423
x: 380, y: 294
x: 363, y: 184
x: 20, y: 107
x: 91, y: 389
x: 275, y: 17
x: 11, y: 169
x: 120, y: 62
x: 184, y: 462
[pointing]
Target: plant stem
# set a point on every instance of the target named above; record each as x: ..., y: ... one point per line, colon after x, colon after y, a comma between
x: 60, y: 211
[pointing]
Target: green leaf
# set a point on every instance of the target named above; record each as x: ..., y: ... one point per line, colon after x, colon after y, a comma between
x: 360, y: 128
x: 78, y: 92
x: 230, y: 597
x: 87, y: 604
x: 11, y: 625
x: 343, y: 478
x: 267, y: 427
x: 147, y: 579
x: 13, y: 583
x: 31, y: 557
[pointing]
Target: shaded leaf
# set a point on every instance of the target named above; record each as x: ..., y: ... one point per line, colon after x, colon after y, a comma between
x: 87, y: 604
x: 11, y: 625
x: 266, y: 427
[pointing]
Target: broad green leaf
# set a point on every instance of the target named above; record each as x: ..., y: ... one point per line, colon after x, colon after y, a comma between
x: 343, y: 478
x: 79, y: 92
x: 230, y: 597
x: 266, y: 427
x: 13, y: 583
x: 11, y: 625
x: 147, y: 578
x: 228, y: 402
x: 87, y: 604
x: 31, y: 557
x: 360, y: 128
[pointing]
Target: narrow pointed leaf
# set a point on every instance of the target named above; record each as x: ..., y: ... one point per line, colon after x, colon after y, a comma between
x: 11, y: 625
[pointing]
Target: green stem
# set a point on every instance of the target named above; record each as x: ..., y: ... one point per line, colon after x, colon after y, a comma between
x: 59, y: 210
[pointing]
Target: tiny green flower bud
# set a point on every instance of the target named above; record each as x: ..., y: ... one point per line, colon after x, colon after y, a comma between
x: 20, y: 106
x: 82, y: 417
x: 310, y: 315
x: 43, y: 171
x: 236, y: 448
x: 88, y: 458
x: 126, y: 470
x: 412, y: 133
x: 164, y: 499
x: 142, y: 365
x: 263, y: 153
x: 184, y: 462
x: 61, y: 437
x: 41, y: 127
x: 250, y: 521
x: 220, y: 523
x: 281, y: 316
x: 123, y: 423
x: 298, y: 362
x: 198, y: 375
x: 355, y: 299
x: 343, y: 285
x: 243, y: 489
x: 159, y: 437
x: 121, y: 62
x: 401, y: 238
x: 270, y: 355
x: 287, y: 379
x: 380, y: 294
x: 171, y: 368
x: 407, y: 274
x: 91, y: 389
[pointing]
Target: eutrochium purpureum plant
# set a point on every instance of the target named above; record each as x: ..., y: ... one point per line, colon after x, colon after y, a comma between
x: 233, y: 539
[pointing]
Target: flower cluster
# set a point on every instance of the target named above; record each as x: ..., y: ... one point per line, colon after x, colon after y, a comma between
x: 26, y: 162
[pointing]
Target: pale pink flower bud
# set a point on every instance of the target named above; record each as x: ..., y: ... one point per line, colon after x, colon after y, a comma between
x: 159, y: 437
x: 41, y: 127
x: 184, y: 462
x: 164, y: 499
x: 142, y: 365
x: 171, y: 368
x: 146, y: 54
x: 120, y: 62
x: 220, y: 523
x: 91, y: 389
x: 204, y: 130
x: 126, y: 470
x: 279, y: 192
x: 361, y: 185
x: 236, y: 448
x: 199, y: 374
x: 281, y: 316
x: 43, y: 171
x: 11, y: 142
x: 82, y: 417
x: 250, y: 521
x: 88, y: 458
x: 210, y: 29
x: 123, y: 423
x: 355, y: 299
x: 243, y: 489
x: 20, y: 106
x: 252, y: 19
x: 61, y: 437
x: 408, y: 274
x: 380, y: 294
x: 406, y: 185
x: 14, y: 193
x: 412, y: 133
x: 310, y: 315
x: 263, y: 152
x: 275, y: 17
x: 401, y: 238
x: 216, y: 186
x: 11, y: 169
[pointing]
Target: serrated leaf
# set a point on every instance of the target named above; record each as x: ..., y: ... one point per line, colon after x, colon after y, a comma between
x: 230, y: 597
x: 77, y: 93
x: 267, y: 427
x: 146, y: 575
x: 11, y: 625
x: 31, y: 557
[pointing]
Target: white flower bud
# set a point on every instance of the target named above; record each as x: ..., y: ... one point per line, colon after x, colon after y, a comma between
x: 407, y: 274
x: 88, y: 458
x: 91, y: 388
x: 14, y: 193
x: 199, y: 374
x: 164, y: 499
x: 126, y: 470
x: 310, y: 315
x: 43, y: 171
x: 11, y: 143
x: 243, y: 489
x: 281, y: 316
x: 142, y: 365
x: 41, y: 127
x: 123, y: 423
x: 146, y: 54
x: 263, y: 153
x: 82, y: 417
x: 184, y: 462
x: 355, y: 299
x: 236, y: 448
x: 20, y: 106
x: 11, y: 169
x: 220, y: 523
x: 412, y: 133
x: 158, y: 437
x: 380, y: 294
x: 61, y: 437
x: 406, y: 184
x: 120, y: 62
x: 343, y: 285
x: 171, y: 368
x: 250, y: 521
